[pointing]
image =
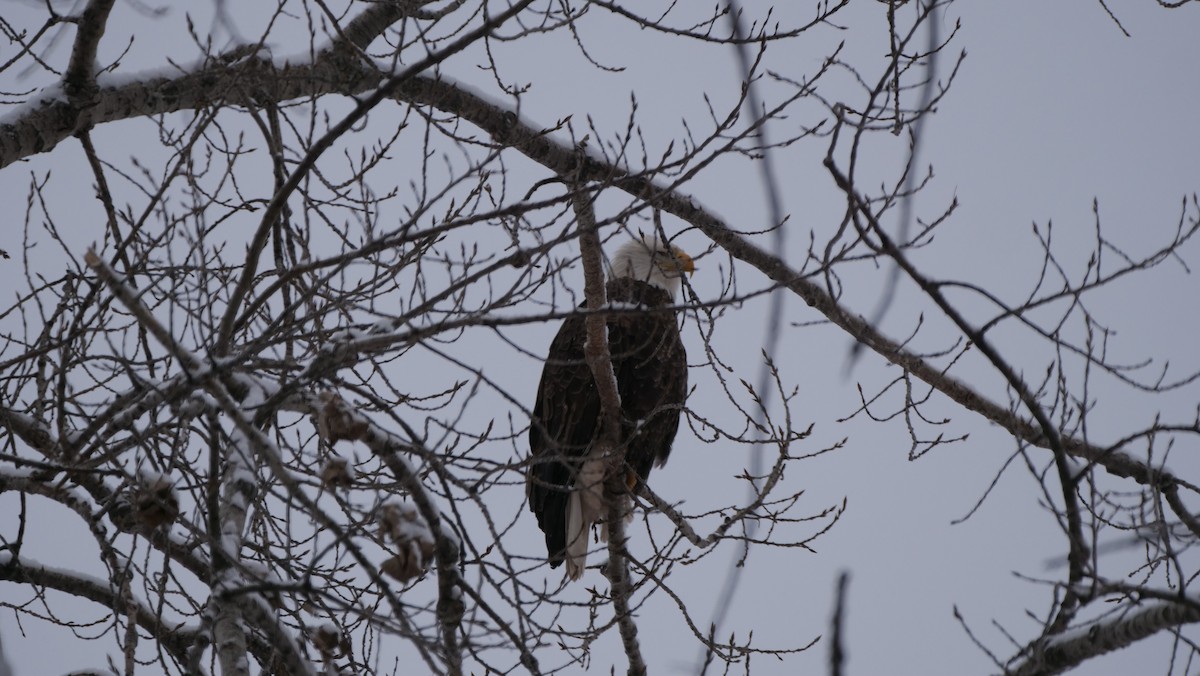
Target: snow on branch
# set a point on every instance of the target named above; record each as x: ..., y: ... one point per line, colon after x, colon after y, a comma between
x: 1060, y: 653
x: 174, y: 636
x: 411, y: 531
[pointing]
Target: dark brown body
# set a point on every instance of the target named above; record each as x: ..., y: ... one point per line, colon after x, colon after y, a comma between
x: 651, y: 369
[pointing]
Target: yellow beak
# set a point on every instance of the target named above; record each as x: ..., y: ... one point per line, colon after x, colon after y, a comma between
x: 683, y: 262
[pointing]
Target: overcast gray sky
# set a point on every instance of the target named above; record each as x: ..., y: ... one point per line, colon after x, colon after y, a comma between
x: 1053, y: 108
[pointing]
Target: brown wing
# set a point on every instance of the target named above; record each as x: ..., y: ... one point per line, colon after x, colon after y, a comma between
x: 561, y: 429
x: 651, y: 368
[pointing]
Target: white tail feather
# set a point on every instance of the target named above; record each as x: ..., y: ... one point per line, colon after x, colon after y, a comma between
x: 584, y: 507
x: 576, y: 537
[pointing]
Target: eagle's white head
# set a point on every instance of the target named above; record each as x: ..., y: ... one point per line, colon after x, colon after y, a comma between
x: 654, y: 262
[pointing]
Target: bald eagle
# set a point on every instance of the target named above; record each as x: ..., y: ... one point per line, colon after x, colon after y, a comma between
x: 565, y: 479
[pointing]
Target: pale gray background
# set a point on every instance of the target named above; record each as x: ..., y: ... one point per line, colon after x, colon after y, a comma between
x: 1052, y: 108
